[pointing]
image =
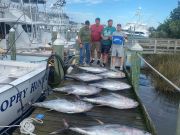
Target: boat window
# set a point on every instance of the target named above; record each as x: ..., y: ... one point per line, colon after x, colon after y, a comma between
x: 27, y: 28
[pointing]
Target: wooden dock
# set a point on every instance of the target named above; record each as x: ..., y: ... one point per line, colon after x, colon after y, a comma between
x: 53, y: 120
x: 153, y: 46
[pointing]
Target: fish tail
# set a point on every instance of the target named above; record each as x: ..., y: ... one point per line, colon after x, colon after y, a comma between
x: 66, y: 126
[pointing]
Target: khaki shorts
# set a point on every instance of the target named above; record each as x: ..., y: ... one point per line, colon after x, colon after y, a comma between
x: 96, y: 46
x: 117, y: 50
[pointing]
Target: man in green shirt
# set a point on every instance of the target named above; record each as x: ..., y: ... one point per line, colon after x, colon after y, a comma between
x: 84, y: 38
x: 107, y: 41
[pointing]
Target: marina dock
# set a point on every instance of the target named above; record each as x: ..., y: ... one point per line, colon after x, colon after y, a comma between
x: 54, y: 120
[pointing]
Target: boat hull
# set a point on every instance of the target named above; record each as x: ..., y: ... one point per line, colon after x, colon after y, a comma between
x: 16, y: 100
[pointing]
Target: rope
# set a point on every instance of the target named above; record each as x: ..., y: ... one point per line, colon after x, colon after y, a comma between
x: 26, y: 126
x: 161, y: 75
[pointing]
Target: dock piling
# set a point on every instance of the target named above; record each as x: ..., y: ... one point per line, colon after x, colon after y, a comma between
x: 58, y: 49
x: 12, y: 44
x: 135, y: 65
x: 178, y: 121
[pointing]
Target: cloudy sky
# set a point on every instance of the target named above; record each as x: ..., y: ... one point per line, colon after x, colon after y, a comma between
x: 153, y: 12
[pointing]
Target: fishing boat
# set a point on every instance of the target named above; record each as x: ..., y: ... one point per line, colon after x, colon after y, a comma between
x: 21, y: 84
x: 35, y: 28
x: 137, y: 29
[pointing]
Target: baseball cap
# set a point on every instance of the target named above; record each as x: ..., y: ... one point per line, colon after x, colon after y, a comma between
x: 87, y: 22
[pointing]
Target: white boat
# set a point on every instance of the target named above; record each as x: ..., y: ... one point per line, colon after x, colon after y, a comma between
x: 20, y: 85
x: 34, y: 27
x: 137, y: 29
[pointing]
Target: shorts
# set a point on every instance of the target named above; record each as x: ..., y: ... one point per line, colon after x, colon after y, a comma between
x: 96, y: 46
x: 117, y: 50
x: 105, y: 49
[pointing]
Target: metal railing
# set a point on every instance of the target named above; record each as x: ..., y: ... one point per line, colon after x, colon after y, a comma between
x: 161, y: 75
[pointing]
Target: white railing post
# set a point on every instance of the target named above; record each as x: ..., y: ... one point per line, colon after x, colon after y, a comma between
x: 175, y: 46
x: 155, y: 46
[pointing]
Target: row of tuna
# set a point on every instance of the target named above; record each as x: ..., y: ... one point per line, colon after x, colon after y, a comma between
x: 86, y: 103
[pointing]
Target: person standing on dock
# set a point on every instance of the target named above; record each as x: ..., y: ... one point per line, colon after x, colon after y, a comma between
x: 106, y: 41
x: 118, y: 40
x: 96, y: 30
x: 84, y: 38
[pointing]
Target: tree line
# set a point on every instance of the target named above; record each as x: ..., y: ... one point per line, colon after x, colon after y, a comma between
x: 170, y: 28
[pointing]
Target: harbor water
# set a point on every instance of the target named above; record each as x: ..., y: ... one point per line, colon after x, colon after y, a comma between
x: 162, y: 107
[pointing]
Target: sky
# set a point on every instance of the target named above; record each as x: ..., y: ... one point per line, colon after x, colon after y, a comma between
x: 153, y: 12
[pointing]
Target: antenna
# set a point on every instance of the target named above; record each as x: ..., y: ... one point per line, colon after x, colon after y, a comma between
x: 59, y: 3
x: 138, y: 14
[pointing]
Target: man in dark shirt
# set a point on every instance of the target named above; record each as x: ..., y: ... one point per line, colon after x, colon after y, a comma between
x: 84, y: 39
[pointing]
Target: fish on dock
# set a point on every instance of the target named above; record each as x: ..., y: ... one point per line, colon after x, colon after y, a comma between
x: 113, y: 75
x: 113, y: 100
x: 95, y: 70
x: 65, y: 106
x: 111, y: 85
x: 104, y: 129
x: 85, y: 77
x: 80, y: 90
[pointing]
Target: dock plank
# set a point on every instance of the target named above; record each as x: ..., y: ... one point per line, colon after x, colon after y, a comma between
x: 53, y: 119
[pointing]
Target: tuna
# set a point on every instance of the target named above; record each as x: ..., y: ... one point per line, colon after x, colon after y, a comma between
x: 113, y: 100
x: 81, y: 90
x: 111, y: 85
x: 113, y: 75
x: 95, y: 70
x: 65, y: 106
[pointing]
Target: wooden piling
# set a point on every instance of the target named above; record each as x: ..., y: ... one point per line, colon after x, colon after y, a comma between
x: 12, y: 44
x: 178, y: 121
x: 58, y: 49
x: 135, y: 65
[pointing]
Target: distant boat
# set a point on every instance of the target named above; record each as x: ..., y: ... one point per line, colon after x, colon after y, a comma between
x: 20, y: 85
x: 137, y: 29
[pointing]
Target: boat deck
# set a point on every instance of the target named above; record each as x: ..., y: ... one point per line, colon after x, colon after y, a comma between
x: 53, y: 120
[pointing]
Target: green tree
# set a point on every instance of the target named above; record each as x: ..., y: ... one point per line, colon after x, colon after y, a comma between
x: 175, y: 14
x: 170, y: 28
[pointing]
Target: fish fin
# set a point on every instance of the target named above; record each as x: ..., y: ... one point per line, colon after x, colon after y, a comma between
x: 66, y: 126
x: 56, y: 97
x: 49, y: 110
x: 99, y: 121
x: 99, y: 105
x: 68, y: 94
x: 77, y: 97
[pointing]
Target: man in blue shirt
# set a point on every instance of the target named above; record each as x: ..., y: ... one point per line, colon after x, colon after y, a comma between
x: 118, y: 39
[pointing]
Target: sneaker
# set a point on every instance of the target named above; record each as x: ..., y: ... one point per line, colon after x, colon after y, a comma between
x: 92, y: 61
x: 121, y: 68
x: 113, y: 69
x: 80, y: 65
x: 86, y: 65
x: 103, y: 65
x: 98, y: 62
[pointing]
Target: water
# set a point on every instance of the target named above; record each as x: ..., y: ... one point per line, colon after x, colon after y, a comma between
x: 27, y: 58
x: 162, y: 107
